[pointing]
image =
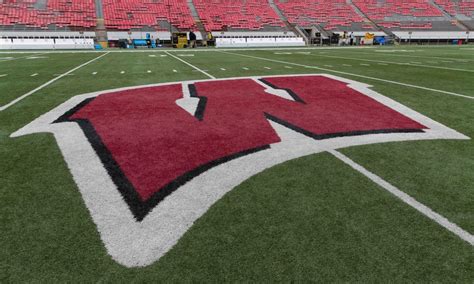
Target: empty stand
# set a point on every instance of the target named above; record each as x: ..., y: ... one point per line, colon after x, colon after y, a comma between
x: 405, y: 15
x: 329, y: 14
x: 57, y: 13
x: 157, y: 14
x: 458, y: 7
x: 217, y: 15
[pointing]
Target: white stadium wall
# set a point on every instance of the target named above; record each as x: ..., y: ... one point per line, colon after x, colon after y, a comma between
x: 46, y: 43
x: 432, y: 35
x: 259, y: 42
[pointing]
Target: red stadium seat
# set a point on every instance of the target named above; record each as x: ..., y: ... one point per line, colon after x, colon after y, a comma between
x: 61, y: 13
x: 389, y: 13
x: 135, y: 14
x: 240, y: 15
x: 459, y: 7
x: 330, y: 14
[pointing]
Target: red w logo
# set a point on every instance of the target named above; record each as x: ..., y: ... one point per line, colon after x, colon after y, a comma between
x: 149, y: 161
x: 151, y: 146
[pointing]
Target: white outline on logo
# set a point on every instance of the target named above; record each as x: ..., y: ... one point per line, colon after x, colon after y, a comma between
x: 137, y: 244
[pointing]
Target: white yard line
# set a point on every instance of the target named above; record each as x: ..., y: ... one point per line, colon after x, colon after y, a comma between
x: 3, y: 75
x: 423, y: 209
x: 61, y: 74
x: 4, y: 107
x: 34, y: 75
x: 189, y: 64
x: 223, y: 69
x: 353, y: 74
x: 415, y: 64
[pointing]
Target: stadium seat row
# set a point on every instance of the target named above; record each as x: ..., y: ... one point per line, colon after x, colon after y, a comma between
x: 219, y: 15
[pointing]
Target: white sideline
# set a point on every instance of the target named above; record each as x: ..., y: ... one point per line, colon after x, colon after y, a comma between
x: 4, y: 107
x: 414, y: 64
x: 353, y: 74
x: 423, y: 209
x: 189, y: 64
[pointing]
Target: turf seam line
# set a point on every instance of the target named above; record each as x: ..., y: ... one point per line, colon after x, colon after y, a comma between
x: 189, y: 64
x: 23, y: 57
x: 193, y: 50
x: 352, y: 74
x: 423, y: 209
x: 416, y: 56
x: 4, y: 107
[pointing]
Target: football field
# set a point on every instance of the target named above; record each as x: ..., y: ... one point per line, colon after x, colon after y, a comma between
x: 395, y: 207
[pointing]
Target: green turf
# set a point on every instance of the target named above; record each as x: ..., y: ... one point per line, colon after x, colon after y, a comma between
x: 309, y: 219
x: 46, y: 66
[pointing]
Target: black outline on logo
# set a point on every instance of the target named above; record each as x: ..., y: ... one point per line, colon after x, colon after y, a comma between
x: 140, y: 208
x: 329, y: 135
x: 201, y: 107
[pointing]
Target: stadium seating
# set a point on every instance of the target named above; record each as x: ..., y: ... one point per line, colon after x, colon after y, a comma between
x: 458, y: 7
x: 217, y: 15
x: 136, y: 14
x: 381, y: 10
x: 402, y: 14
x: 57, y: 13
x: 330, y: 14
